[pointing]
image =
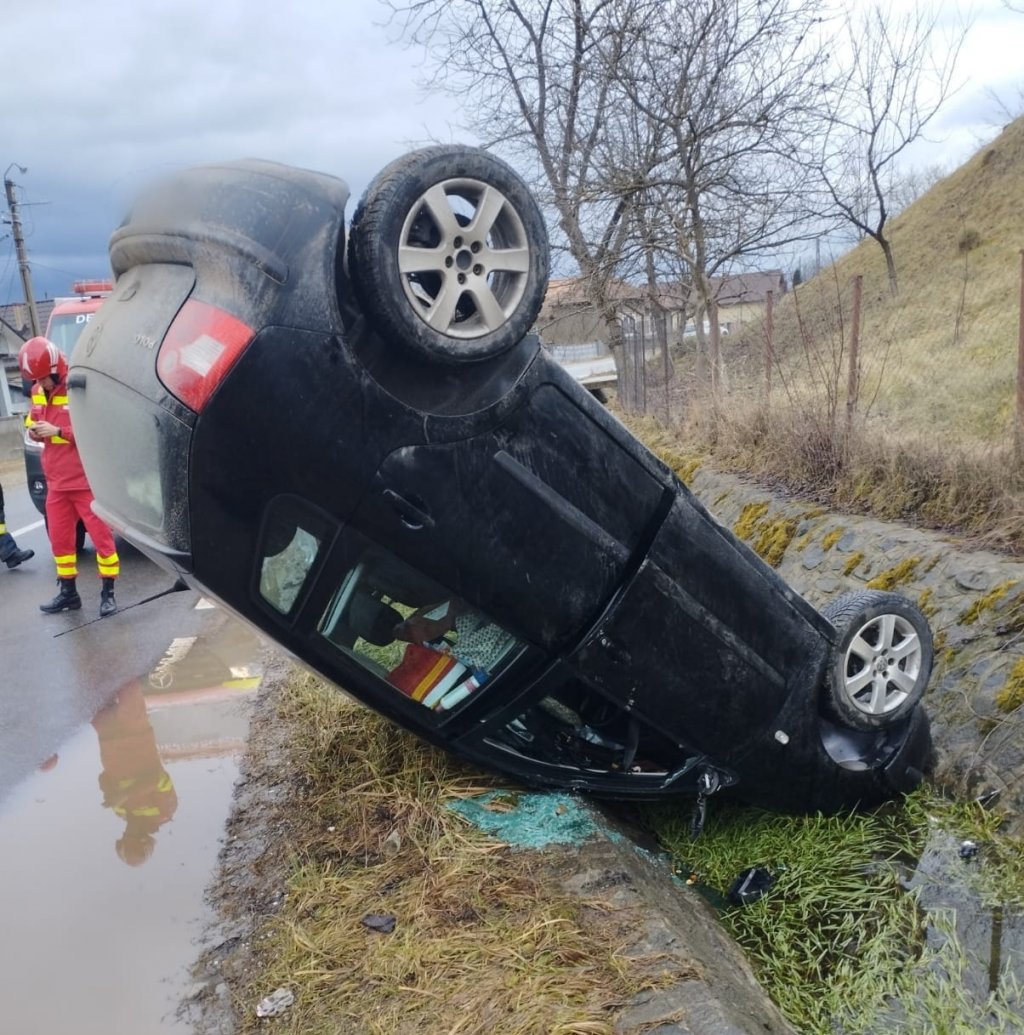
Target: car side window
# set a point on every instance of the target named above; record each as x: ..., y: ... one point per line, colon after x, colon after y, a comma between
x: 413, y: 633
x: 292, y: 540
x: 582, y: 729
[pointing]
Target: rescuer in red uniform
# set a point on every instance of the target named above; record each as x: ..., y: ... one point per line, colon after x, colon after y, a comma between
x: 68, y: 496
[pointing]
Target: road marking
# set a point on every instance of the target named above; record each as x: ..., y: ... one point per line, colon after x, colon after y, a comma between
x: 28, y: 528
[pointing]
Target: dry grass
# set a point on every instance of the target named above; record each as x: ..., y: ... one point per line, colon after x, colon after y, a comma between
x: 483, y: 940
x: 932, y: 433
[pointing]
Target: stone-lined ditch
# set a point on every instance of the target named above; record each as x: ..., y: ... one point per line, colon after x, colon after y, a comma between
x: 974, y: 600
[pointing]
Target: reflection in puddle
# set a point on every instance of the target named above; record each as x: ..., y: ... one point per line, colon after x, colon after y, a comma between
x: 133, y: 780
x: 116, y: 928
x: 971, y: 938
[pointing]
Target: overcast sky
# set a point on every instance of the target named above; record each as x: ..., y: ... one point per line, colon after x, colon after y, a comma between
x: 102, y: 95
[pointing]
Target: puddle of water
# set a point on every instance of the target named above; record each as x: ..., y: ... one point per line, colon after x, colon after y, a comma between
x: 108, y: 848
x: 986, y: 937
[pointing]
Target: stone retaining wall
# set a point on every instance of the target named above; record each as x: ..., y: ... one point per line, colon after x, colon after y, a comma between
x: 974, y: 601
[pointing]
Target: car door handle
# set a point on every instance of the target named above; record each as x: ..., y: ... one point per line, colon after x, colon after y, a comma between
x: 412, y: 513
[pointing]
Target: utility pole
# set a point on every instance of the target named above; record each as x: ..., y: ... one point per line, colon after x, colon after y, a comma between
x: 19, y: 247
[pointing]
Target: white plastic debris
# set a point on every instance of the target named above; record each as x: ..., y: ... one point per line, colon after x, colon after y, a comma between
x: 276, y: 1003
x: 392, y: 843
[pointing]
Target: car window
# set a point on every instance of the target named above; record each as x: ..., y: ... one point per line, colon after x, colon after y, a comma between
x: 578, y: 727
x: 406, y: 629
x: 292, y: 539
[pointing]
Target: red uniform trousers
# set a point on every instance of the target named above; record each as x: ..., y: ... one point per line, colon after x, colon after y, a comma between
x: 64, y: 508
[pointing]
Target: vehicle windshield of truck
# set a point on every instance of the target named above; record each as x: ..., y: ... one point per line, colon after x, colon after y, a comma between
x: 65, y: 329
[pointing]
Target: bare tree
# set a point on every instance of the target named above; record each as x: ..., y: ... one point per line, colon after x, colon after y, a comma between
x: 538, y: 79
x: 734, y: 87
x: 910, y: 184
x: 896, y: 77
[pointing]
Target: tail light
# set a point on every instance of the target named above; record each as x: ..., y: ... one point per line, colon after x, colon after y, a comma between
x: 198, y: 350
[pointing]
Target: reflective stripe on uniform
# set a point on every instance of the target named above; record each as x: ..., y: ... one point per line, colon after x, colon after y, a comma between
x: 67, y: 566
x: 109, y: 566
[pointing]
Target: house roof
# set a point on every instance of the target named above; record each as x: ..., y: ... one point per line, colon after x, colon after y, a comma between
x: 14, y: 320
x: 731, y: 289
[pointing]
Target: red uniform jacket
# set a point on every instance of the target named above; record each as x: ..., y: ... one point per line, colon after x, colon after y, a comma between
x: 61, y: 463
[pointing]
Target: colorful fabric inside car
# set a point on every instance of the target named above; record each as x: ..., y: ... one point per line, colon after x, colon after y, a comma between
x: 422, y: 669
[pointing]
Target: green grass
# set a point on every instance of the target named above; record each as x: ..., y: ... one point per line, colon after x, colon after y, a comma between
x: 838, y: 941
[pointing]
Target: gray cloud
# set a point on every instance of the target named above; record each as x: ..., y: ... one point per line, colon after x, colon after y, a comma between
x: 108, y: 94
x: 115, y: 93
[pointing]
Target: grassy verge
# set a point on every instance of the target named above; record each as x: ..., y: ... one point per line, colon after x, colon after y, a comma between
x: 483, y: 941
x: 975, y: 492
x: 841, y: 941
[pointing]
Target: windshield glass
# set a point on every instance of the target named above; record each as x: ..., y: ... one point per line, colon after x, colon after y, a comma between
x: 66, y: 328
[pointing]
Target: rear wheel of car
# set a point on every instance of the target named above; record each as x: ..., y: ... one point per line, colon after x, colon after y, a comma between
x: 448, y: 254
x: 881, y: 664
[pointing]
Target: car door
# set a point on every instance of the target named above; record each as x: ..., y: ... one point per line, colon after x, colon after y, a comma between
x: 535, y: 521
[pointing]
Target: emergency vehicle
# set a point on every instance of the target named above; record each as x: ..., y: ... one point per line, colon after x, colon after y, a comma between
x: 70, y: 316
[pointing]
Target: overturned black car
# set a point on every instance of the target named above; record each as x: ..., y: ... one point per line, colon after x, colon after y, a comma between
x: 350, y: 438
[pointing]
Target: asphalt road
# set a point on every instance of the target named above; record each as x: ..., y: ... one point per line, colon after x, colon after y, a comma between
x: 57, y: 671
x: 119, y: 744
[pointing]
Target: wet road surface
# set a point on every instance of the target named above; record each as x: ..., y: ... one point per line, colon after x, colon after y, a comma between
x: 119, y: 741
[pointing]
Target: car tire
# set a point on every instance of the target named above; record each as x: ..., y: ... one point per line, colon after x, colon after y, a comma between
x: 882, y: 660
x: 478, y: 286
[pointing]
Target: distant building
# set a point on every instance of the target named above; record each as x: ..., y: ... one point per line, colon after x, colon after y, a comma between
x: 568, y: 318
x: 15, y: 328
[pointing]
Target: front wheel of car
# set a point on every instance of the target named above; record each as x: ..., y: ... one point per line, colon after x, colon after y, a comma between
x: 448, y: 254
x: 882, y: 660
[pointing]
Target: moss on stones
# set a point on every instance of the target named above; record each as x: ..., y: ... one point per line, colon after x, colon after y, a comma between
x: 852, y: 563
x: 683, y: 466
x: 985, y: 603
x: 687, y: 470
x: 924, y: 602
x: 831, y: 539
x: 774, y: 540
x: 1011, y: 697
x: 895, y: 576
x: 749, y: 519
x: 769, y: 539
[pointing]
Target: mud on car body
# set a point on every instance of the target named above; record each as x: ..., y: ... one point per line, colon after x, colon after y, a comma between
x: 346, y: 435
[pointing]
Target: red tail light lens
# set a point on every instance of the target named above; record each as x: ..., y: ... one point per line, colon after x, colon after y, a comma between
x: 199, y: 349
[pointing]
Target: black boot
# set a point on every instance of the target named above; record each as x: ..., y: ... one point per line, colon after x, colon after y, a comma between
x: 108, y: 605
x: 66, y: 600
x: 9, y: 552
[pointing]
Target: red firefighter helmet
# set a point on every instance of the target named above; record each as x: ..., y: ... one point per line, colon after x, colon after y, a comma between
x: 40, y: 358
